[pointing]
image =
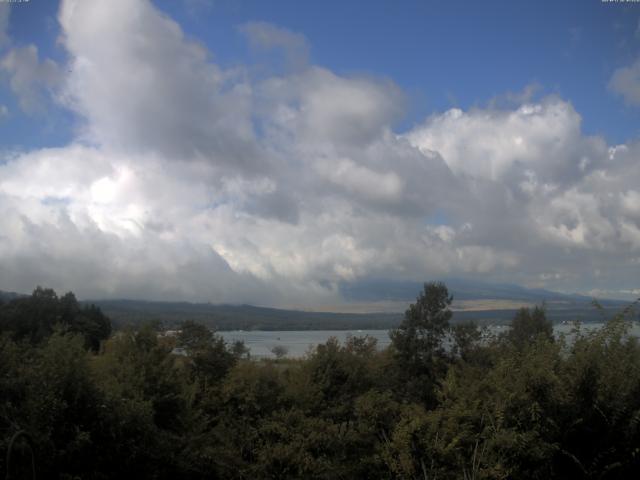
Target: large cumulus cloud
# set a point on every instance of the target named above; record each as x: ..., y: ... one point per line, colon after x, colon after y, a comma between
x: 187, y: 180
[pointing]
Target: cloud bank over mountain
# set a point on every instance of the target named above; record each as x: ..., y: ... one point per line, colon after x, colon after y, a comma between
x: 190, y: 181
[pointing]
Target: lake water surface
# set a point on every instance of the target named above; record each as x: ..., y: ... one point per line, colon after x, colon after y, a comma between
x: 299, y: 342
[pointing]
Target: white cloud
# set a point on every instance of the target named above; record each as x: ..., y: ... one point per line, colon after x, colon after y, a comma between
x: 323, y: 109
x: 144, y: 87
x: 30, y: 79
x: 189, y: 181
x: 625, y: 81
x: 536, y: 140
x: 265, y: 36
x: 359, y: 180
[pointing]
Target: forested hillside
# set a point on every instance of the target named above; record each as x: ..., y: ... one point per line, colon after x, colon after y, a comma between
x: 248, y: 317
x: 82, y: 402
x: 241, y: 317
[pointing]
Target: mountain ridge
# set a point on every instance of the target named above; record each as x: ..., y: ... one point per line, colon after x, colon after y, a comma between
x: 227, y: 316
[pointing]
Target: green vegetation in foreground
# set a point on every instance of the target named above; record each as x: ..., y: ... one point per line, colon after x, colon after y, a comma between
x: 521, y: 405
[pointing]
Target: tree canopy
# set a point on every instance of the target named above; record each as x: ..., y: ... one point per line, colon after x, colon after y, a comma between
x: 440, y: 402
x: 35, y: 317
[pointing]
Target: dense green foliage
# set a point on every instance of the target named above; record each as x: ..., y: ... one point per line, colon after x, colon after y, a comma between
x: 441, y: 402
x: 34, y: 318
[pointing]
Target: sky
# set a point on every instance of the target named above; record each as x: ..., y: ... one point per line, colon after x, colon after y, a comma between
x: 283, y: 153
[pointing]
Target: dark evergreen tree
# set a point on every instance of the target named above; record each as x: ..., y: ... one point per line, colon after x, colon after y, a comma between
x: 418, y: 343
x: 529, y: 324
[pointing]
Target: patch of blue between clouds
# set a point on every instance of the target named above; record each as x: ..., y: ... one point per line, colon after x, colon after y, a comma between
x: 439, y: 217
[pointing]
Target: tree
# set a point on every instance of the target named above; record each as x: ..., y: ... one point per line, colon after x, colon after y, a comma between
x: 338, y: 375
x: 31, y: 318
x: 89, y: 321
x: 528, y: 325
x: 417, y: 342
x: 146, y: 406
x: 34, y: 318
x: 466, y: 339
x: 194, y: 336
x: 280, y: 351
x: 209, y: 354
x: 425, y: 324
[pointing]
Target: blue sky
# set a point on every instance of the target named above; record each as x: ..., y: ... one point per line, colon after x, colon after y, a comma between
x: 454, y: 53
x: 273, y: 152
x: 442, y: 54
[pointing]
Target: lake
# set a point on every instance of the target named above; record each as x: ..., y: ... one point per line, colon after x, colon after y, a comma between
x: 298, y: 342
